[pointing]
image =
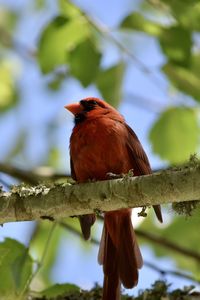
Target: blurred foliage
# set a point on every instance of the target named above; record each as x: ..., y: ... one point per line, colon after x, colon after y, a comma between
x: 84, y: 61
x: 59, y: 290
x: 8, y: 66
x: 182, y: 231
x: 60, y: 36
x: 109, y: 83
x: 175, y: 122
x: 159, y: 290
x: 71, y: 45
x: 16, y: 267
x: 37, y: 247
x: 8, y: 22
x: 8, y: 92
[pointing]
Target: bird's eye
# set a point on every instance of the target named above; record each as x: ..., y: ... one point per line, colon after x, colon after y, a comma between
x: 88, y: 105
x: 93, y: 102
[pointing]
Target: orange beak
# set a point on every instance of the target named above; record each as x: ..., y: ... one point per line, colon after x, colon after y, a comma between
x: 74, y: 108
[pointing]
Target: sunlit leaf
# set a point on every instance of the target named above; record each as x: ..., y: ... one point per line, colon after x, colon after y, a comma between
x: 8, y: 93
x: 59, y: 290
x: 8, y: 20
x: 84, y: 62
x: 60, y: 36
x: 68, y: 9
x: 15, y: 267
x: 195, y: 64
x: 136, y: 21
x: 109, y: 82
x: 175, y: 135
x: 176, y: 43
x: 180, y: 7
x: 21, y: 269
x: 190, y: 17
x: 54, y: 157
x: 186, y: 80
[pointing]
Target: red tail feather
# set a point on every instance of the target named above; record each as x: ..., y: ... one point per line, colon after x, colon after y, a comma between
x: 119, y: 254
x: 111, y: 285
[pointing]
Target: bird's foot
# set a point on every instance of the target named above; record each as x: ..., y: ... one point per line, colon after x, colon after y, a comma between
x: 111, y: 175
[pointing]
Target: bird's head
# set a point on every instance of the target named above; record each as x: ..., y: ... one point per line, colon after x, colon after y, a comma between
x: 88, y: 107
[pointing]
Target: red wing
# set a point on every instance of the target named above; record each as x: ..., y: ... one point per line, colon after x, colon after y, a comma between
x: 88, y: 220
x: 140, y: 162
x: 137, y: 155
x: 73, y: 175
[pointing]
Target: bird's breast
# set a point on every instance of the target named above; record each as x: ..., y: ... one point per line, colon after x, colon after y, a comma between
x: 97, y: 148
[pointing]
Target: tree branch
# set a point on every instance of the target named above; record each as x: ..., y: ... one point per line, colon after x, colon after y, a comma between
x: 166, y: 243
x: 31, y: 177
x: 62, y: 200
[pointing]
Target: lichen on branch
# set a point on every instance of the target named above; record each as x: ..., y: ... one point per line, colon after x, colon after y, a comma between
x: 64, y: 199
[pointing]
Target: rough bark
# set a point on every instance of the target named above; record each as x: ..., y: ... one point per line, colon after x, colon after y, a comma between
x: 62, y: 200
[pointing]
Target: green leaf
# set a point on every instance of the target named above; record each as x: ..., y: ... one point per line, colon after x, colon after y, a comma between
x: 59, y: 290
x: 187, y: 13
x: 21, y: 269
x: 176, y: 43
x: 84, y: 61
x: 53, y: 157
x: 60, y: 36
x: 180, y: 8
x: 136, y: 21
x: 68, y: 9
x: 189, y: 18
x: 195, y: 64
x: 15, y: 267
x: 186, y: 80
x: 8, y: 93
x: 109, y: 82
x: 8, y: 19
x: 175, y: 135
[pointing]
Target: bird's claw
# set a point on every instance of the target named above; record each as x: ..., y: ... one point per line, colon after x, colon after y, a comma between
x: 111, y: 175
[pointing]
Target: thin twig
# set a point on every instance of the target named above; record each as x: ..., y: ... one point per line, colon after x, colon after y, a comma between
x: 76, y: 232
x: 146, y: 263
x: 10, y: 41
x: 144, y: 103
x: 18, y: 173
x: 163, y: 242
x: 175, y: 273
x: 29, y: 176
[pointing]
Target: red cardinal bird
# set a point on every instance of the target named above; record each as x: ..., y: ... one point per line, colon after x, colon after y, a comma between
x: 101, y: 142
